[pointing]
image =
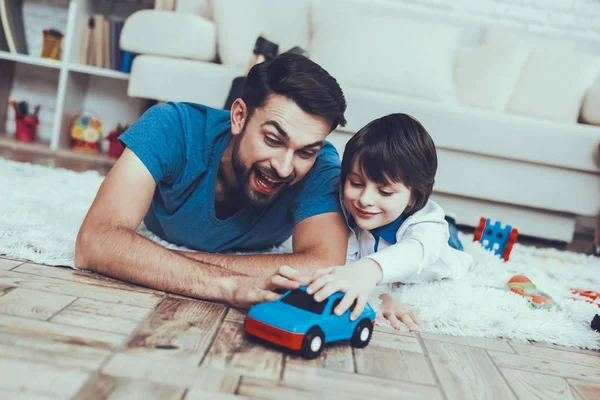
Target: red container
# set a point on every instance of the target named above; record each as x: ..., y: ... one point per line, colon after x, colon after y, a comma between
x: 26, y: 129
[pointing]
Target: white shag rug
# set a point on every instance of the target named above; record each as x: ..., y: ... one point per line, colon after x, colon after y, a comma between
x: 41, y: 210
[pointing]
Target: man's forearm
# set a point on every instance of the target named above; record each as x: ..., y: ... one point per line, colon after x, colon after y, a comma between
x: 261, y: 264
x: 123, y: 254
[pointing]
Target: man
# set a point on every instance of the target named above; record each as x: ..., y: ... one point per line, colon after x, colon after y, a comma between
x: 215, y: 180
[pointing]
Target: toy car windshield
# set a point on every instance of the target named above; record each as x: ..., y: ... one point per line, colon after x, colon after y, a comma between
x: 300, y: 299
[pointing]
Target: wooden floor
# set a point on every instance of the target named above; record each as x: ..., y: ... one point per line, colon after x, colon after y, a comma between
x: 67, y: 334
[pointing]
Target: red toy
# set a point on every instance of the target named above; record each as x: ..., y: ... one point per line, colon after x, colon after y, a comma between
x: 589, y: 296
x: 494, y: 237
x: 115, y: 149
x: 26, y: 123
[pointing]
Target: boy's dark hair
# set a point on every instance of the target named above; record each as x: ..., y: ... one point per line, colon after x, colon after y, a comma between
x: 394, y: 148
x: 299, y: 79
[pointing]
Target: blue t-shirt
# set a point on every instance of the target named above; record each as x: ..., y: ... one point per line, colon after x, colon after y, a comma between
x: 182, y: 144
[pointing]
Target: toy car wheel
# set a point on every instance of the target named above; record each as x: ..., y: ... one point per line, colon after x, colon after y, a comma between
x: 313, y: 342
x: 362, y: 334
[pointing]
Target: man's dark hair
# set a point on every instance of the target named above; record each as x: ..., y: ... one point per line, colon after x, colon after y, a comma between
x: 394, y: 148
x: 299, y: 79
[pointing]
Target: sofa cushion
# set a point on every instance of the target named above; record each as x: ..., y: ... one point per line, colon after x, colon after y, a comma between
x: 390, y: 54
x: 485, y: 76
x: 170, y: 34
x: 552, y: 84
x: 590, y: 113
x: 495, y: 134
x: 239, y: 23
x: 501, y: 36
x: 181, y: 80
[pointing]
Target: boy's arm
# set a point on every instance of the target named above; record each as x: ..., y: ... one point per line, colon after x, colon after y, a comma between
x: 420, y: 247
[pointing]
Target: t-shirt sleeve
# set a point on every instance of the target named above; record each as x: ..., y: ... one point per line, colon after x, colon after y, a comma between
x: 320, y: 191
x: 157, y: 139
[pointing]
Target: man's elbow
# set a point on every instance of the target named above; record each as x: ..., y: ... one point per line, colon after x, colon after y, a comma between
x: 84, y: 248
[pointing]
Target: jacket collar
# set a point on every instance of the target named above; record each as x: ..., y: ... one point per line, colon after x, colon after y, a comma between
x: 387, y: 232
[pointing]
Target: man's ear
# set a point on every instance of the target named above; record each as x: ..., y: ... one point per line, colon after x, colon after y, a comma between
x: 239, y: 115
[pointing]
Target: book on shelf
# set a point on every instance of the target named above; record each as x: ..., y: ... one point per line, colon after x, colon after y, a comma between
x: 13, y: 29
x: 100, y: 44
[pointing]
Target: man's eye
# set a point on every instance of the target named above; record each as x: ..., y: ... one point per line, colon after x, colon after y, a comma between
x: 272, y: 142
x: 306, y: 154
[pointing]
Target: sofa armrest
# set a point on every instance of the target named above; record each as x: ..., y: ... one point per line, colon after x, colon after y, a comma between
x: 170, y: 34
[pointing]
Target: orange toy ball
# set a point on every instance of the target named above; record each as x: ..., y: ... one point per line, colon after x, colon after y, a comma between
x: 541, y: 300
x: 517, y: 289
x: 519, y: 279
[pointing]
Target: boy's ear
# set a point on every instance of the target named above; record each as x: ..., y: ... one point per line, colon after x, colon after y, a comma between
x: 238, y: 117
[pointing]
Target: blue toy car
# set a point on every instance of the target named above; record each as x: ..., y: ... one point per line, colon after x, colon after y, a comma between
x: 298, y: 322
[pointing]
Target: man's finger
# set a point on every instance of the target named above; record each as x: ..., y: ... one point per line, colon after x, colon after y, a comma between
x: 361, y: 301
x: 322, y: 271
x: 346, y: 302
x: 316, y: 285
x: 266, y: 295
x: 294, y: 275
x: 278, y: 281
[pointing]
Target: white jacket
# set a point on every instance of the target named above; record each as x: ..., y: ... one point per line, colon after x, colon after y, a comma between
x: 421, y: 252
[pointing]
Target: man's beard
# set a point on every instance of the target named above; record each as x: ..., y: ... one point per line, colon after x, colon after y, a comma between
x: 243, y: 176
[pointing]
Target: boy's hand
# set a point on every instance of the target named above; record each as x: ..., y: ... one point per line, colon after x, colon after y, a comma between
x: 395, y: 312
x: 357, y: 280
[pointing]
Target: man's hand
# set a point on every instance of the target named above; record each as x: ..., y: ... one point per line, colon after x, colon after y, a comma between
x: 395, y: 312
x: 244, y: 291
x: 357, y: 280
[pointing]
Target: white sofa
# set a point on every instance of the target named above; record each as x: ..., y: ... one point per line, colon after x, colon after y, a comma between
x: 509, y: 147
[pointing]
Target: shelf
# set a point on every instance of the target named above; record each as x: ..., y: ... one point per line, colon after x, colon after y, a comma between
x: 108, y: 73
x: 44, y: 148
x: 27, y: 59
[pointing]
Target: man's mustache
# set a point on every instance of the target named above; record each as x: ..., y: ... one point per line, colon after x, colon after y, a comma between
x: 272, y: 174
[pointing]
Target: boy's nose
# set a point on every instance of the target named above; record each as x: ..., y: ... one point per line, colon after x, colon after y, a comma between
x: 365, y: 199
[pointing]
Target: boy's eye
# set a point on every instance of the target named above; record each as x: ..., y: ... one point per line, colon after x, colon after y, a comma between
x: 385, y: 194
x: 272, y: 142
x: 356, y: 184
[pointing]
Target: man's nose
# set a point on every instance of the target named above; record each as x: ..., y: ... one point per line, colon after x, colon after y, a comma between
x: 283, y: 165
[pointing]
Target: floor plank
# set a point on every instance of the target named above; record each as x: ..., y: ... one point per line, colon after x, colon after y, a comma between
x: 8, y: 394
x: 50, y: 352
x: 236, y: 315
x: 60, y: 333
x: 391, y: 363
x: 5, y: 289
x: 549, y: 367
x: 197, y: 394
x: 106, y: 387
x: 557, y: 355
x: 266, y: 389
x: 588, y: 390
x: 529, y: 385
x: 337, y: 357
x: 179, y: 329
x: 79, y: 276
x: 396, y: 342
x: 39, y: 379
x: 565, y: 348
x: 6, y: 264
x: 53, y: 285
x: 33, y: 303
x: 110, y: 317
x: 340, y: 384
x: 483, y: 343
x: 233, y: 351
x: 171, y: 372
x: 466, y: 372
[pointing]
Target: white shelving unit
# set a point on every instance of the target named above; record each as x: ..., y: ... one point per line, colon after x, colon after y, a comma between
x: 80, y: 88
